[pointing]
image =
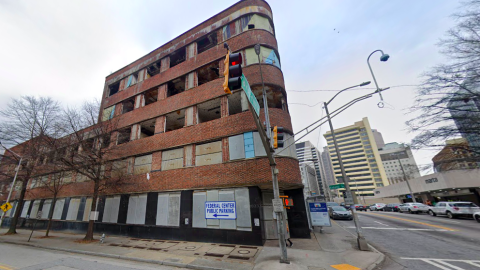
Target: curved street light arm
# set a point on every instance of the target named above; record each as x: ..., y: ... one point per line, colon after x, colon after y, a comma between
x: 371, y: 71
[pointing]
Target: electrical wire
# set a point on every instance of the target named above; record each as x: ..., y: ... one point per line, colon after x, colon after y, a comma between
x: 354, y: 89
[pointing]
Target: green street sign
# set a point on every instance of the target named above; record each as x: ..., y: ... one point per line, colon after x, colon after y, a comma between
x: 337, y: 186
x: 250, y: 96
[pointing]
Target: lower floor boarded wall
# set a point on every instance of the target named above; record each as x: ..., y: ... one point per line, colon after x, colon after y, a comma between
x: 167, y: 215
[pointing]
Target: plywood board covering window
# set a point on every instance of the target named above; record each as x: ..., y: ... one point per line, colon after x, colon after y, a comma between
x: 143, y: 164
x: 168, y: 209
x: 208, y: 153
x: 172, y: 159
x: 137, y: 208
x: 110, y: 212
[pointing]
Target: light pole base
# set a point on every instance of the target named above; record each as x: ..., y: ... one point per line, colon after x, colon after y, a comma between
x: 284, y: 261
x: 362, y: 244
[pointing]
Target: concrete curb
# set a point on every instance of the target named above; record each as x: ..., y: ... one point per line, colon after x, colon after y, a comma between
x: 112, y: 256
x: 378, y: 261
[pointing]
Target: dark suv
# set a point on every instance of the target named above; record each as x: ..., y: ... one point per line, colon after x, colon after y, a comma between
x: 392, y: 207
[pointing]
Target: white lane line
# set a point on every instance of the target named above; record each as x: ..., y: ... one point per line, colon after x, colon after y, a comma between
x: 401, y: 229
x: 449, y: 265
x: 474, y: 263
x: 382, y: 223
x: 436, y: 264
x: 448, y: 260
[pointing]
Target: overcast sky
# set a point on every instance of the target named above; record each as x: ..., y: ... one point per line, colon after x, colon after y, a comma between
x: 65, y: 49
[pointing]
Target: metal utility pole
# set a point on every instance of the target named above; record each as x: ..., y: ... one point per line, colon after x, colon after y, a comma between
x: 361, y: 241
x: 267, y: 144
x: 13, y: 182
x: 406, y: 180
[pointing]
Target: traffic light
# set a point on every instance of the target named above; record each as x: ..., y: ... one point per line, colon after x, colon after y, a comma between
x: 232, y: 72
x: 277, y: 137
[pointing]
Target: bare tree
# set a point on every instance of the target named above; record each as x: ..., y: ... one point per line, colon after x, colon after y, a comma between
x: 448, y: 100
x: 26, y: 122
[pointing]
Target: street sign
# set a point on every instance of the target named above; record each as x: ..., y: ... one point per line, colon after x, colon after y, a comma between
x: 220, y: 210
x: 277, y: 205
x: 348, y: 198
x: 319, y: 214
x: 5, y: 207
x: 250, y: 96
x: 337, y: 186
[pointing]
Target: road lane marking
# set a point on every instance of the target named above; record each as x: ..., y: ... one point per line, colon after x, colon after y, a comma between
x: 381, y: 223
x: 449, y: 265
x: 401, y: 229
x: 345, y: 267
x: 414, y: 221
x: 445, y: 263
x: 438, y: 265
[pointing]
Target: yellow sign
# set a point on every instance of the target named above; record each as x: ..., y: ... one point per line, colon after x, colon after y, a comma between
x: 6, y: 206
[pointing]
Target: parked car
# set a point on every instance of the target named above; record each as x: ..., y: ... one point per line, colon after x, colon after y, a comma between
x: 392, y: 207
x: 454, y: 209
x: 339, y: 212
x: 476, y: 216
x: 359, y: 207
x: 377, y: 207
x: 414, y: 208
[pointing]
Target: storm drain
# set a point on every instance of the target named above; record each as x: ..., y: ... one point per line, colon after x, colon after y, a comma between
x: 226, y: 245
x: 214, y: 255
x: 238, y: 258
x: 248, y: 247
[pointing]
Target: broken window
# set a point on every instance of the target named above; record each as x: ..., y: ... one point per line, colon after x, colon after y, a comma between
x: 178, y: 57
x: 275, y: 96
x: 153, y: 69
x: 209, y: 111
x: 147, y: 128
x: 88, y: 144
x: 132, y: 79
x: 175, y: 120
x: 113, y: 88
x: 108, y: 113
x: 124, y: 135
x: 176, y: 86
x: 235, y: 104
x: 105, y: 141
x: 267, y: 56
x: 255, y: 22
x: 208, y: 73
x: 231, y: 30
x: 151, y: 96
x: 128, y: 105
x: 207, y: 42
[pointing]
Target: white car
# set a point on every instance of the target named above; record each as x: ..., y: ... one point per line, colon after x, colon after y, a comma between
x: 413, y: 208
x: 476, y: 216
x: 454, y: 209
x: 377, y: 207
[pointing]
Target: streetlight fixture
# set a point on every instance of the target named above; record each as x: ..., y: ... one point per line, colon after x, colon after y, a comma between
x: 361, y: 241
x: 383, y: 58
x: 14, y: 179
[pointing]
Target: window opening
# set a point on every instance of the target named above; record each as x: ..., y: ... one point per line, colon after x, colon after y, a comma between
x: 208, y: 73
x: 176, y: 86
x: 113, y: 88
x: 147, y: 128
x: 154, y: 69
x: 178, y: 57
x: 175, y: 120
x: 209, y: 111
x: 235, y: 103
x: 128, y: 105
x: 132, y: 79
x: 124, y: 135
x: 151, y: 96
x: 207, y: 42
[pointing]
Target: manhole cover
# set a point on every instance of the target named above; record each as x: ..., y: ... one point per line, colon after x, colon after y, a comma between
x: 244, y: 251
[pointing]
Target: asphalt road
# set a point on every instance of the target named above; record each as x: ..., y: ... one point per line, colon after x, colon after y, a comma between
x: 420, y: 241
x: 27, y: 258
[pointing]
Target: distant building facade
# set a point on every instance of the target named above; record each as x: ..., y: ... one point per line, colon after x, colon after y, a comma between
x: 309, y: 179
x: 378, y: 138
x: 308, y: 154
x: 455, y: 156
x: 360, y: 157
x: 327, y: 167
x: 398, y: 162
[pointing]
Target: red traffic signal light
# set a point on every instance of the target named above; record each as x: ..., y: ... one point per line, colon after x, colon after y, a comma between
x: 232, y: 72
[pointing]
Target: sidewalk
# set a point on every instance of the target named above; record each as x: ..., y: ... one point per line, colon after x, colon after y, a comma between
x: 334, y: 246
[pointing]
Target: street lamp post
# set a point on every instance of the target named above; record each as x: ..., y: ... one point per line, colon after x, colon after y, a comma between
x: 13, y: 182
x: 405, y: 179
x: 362, y: 242
x: 383, y: 58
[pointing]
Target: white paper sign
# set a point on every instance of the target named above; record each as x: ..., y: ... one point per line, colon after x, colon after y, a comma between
x: 220, y: 210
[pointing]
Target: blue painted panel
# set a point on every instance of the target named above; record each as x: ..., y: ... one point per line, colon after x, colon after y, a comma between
x: 249, y: 147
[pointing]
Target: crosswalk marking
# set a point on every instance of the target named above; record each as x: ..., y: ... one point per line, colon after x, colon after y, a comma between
x: 445, y: 264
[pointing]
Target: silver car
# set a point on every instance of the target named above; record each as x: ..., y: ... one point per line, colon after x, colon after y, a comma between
x: 377, y: 207
x: 476, y: 216
x: 413, y: 208
x: 454, y: 209
x: 339, y: 212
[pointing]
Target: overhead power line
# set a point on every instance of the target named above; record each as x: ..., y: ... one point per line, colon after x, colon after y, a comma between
x: 354, y: 89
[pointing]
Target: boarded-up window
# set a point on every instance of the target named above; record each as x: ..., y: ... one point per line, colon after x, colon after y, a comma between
x: 110, y: 212
x: 46, y: 208
x: 88, y: 208
x: 267, y: 56
x: 26, y: 205
x: 34, y: 211
x: 137, y: 207
x: 73, y: 209
x: 249, y: 149
x: 236, y: 147
x: 168, y: 209
x: 256, y: 22
x: 208, y: 153
x: 143, y: 164
x: 119, y: 168
x: 57, y: 212
x: 240, y: 196
x: 108, y: 113
x: 231, y: 30
x: 172, y: 159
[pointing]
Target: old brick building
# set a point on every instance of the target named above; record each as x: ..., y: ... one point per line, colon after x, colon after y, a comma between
x: 184, y: 141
